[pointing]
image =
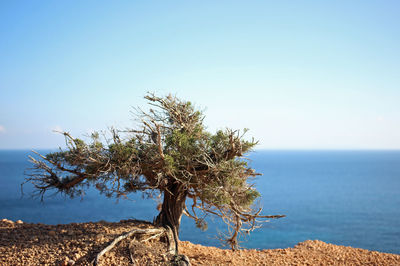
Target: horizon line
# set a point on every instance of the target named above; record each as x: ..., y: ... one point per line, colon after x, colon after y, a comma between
x: 255, y: 150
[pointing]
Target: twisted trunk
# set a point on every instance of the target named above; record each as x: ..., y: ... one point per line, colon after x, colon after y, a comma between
x: 172, y: 210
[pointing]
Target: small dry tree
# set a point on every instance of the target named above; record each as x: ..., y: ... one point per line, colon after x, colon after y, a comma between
x: 170, y: 153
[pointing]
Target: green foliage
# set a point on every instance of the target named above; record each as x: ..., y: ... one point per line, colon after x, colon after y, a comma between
x: 172, y: 146
x: 170, y: 149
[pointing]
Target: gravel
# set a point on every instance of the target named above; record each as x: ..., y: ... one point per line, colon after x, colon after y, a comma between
x: 78, y: 243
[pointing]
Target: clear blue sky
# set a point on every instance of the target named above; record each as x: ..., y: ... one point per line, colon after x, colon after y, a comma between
x: 299, y: 74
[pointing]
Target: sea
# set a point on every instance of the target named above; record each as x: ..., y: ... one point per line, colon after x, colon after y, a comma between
x: 349, y: 198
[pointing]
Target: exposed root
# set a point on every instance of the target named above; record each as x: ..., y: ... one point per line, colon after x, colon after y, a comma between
x: 152, y: 237
x: 130, y: 252
x: 152, y: 233
x: 171, y: 241
x: 158, y: 231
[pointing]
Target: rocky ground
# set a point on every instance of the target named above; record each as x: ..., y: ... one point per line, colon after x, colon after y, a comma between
x: 78, y: 244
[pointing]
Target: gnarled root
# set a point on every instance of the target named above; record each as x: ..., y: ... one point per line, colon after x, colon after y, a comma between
x: 146, y: 235
x: 155, y: 231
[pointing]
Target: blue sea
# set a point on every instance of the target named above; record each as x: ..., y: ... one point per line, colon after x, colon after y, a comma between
x: 349, y: 198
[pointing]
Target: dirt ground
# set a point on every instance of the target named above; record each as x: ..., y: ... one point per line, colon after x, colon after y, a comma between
x: 78, y: 244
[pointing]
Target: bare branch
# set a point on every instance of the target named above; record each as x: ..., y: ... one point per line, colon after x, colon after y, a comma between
x: 168, y: 152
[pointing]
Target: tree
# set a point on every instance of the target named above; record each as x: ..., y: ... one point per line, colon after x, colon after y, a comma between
x: 170, y: 153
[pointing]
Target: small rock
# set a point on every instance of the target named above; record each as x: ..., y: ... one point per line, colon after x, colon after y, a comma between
x: 182, y: 260
x: 67, y: 262
x: 19, y: 222
x: 64, y: 262
x: 52, y: 233
x: 99, y: 237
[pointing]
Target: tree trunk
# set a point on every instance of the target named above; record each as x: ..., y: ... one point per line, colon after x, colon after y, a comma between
x: 172, y: 209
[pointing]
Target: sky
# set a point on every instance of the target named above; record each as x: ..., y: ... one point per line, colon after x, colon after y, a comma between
x: 298, y: 74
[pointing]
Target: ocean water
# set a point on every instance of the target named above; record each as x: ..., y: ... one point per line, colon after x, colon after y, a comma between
x: 347, y: 198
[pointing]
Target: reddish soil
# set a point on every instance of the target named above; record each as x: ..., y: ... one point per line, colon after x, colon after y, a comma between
x: 77, y: 244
